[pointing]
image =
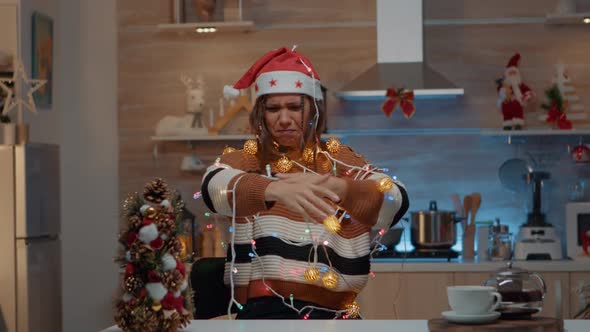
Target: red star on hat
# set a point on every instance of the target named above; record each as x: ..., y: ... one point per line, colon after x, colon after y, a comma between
x: 256, y: 87
x: 273, y: 82
x: 298, y: 84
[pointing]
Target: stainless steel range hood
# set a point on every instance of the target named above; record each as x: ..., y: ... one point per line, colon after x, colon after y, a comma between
x: 399, y: 57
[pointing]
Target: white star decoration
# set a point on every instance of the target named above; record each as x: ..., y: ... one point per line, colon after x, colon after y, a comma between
x: 30, y: 86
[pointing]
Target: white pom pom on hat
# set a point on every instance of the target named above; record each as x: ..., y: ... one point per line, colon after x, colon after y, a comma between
x: 229, y: 92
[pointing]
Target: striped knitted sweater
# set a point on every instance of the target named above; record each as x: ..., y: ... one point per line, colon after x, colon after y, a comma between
x: 283, y: 239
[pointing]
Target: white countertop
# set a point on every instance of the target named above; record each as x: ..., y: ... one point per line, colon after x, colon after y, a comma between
x: 328, y: 326
x: 439, y: 265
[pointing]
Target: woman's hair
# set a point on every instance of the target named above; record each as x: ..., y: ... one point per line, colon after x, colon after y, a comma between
x: 266, y: 145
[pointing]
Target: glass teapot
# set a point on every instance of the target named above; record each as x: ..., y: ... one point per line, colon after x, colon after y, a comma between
x: 522, y: 292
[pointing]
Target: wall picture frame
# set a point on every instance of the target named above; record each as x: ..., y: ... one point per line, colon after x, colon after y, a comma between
x: 42, y: 58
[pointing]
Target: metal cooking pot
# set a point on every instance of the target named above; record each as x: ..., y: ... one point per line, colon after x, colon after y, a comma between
x: 433, y: 229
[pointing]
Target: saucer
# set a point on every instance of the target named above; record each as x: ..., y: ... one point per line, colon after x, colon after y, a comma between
x: 488, y: 317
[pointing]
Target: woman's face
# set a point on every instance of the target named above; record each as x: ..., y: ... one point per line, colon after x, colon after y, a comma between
x: 285, y: 116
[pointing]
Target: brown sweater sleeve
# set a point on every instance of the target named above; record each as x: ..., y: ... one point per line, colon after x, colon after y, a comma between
x: 250, y: 186
x: 250, y: 193
x: 363, y: 199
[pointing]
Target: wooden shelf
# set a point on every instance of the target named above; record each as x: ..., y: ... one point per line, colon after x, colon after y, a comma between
x: 203, y: 138
x: 536, y: 132
x: 235, y: 26
x: 405, y: 132
x: 458, y: 131
x: 574, y: 18
x: 215, y: 137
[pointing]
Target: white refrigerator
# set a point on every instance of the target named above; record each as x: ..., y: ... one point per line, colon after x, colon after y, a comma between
x: 30, y: 247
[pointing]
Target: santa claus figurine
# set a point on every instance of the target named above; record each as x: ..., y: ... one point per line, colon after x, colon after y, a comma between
x: 513, y: 95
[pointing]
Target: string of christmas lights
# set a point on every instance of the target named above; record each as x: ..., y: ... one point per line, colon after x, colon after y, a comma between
x: 333, y: 226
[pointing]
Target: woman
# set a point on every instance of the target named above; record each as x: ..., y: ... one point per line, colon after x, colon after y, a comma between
x: 301, y: 209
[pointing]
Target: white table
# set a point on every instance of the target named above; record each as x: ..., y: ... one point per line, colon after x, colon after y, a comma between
x: 328, y: 326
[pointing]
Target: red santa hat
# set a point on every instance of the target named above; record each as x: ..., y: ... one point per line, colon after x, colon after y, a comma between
x: 513, y: 62
x: 279, y: 71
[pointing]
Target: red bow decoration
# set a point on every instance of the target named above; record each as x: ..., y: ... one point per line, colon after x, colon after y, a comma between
x: 558, y: 117
x: 404, y: 97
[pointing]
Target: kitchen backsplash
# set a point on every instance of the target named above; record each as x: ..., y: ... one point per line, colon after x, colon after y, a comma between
x: 434, y: 166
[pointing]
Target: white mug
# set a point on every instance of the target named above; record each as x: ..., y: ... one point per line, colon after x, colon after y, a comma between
x: 473, y: 300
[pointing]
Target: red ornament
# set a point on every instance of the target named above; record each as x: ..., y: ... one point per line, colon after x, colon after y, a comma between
x: 153, y: 276
x: 157, y: 244
x: 129, y: 269
x: 131, y: 237
x: 404, y: 97
x: 147, y: 221
x: 168, y: 302
x: 179, y: 303
x: 581, y: 154
x: 181, y: 268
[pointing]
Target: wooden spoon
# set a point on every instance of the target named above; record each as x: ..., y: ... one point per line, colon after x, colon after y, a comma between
x: 466, y: 209
x: 468, y: 229
x: 475, y: 204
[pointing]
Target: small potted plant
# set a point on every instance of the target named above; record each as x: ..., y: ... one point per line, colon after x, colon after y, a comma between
x: 7, y: 130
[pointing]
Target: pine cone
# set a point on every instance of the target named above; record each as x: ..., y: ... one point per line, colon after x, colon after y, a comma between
x: 140, y: 252
x: 175, y: 247
x: 131, y: 204
x: 135, y: 222
x: 156, y: 191
x: 172, y: 280
x: 122, y: 319
x: 166, y: 225
x: 133, y: 283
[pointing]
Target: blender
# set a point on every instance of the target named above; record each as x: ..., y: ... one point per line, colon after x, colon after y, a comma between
x: 537, y: 239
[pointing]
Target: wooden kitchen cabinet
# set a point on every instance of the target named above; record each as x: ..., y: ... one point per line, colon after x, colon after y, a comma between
x: 576, y: 278
x: 423, y: 295
x: 471, y: 278
x: 408, y: 295
x: 550, y: 306
x: 551, y: 279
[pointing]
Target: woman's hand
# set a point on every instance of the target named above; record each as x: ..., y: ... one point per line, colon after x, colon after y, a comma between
x: 304, y: 193
x: 334, y: 184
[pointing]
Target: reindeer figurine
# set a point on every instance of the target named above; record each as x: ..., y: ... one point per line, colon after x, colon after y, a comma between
x: 195, y: 99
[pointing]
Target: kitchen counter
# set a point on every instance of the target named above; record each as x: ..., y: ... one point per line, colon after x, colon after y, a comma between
x: 329, y: 326
x: 440, y: 265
